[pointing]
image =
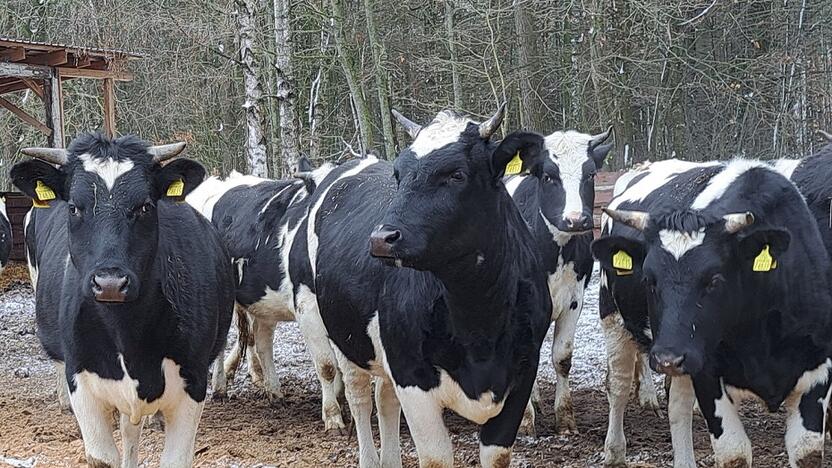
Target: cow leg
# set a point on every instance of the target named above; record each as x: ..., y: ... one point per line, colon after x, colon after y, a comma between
x: 316, y: 338
x: 527, y: 424
x: 621, y: 356
x: 96, y: 422
x: 255, y: 369
x: 497, y: 435
x: 423, y: 413
x: 130, y: 435
x: 264, y: 349
x: 358, y: 388
x: 389, y: 422
x: 680, y: 413
x: 181, y: 423
x: 232, y: 363
x: 647, y: 397
x: 562, y: 345
x: 806, y: 412
x: 62, y: 387
x: 732, y: 448
x: 219, y: 383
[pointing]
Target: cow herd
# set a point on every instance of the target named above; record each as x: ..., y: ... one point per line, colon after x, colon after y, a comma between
x: 428, y: 284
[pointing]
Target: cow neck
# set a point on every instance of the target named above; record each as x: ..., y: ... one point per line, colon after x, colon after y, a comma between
x: 481, y: 287
x: 133, y: 325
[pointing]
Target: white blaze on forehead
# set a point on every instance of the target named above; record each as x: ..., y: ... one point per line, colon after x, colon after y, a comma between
x: 568, y: 150
x: 678, y: 243
x: 719, y: 183
x: 107, y: 169
x: 445, y: 129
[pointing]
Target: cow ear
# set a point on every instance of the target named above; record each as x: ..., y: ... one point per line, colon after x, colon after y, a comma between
x: 528, y: 146
x: 26, y: 175
x: 178, y: 178
x: 599, y: 154
x: 618, y: 253
x: 753, y: 243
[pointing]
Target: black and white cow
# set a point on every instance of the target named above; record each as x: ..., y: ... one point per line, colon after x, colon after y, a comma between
x: 719, y: 271
x: 558, y: 208
x: 259, y: 220
x: 454, y: 314
x: 5, y: 236
x: 134, y: 290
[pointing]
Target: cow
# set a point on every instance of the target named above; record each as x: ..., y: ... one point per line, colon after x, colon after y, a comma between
x: 258, y: 220
x: 134, y: 289
x: 719, y: 271
x: 559, y: 212
x: 5, y: 235
x: 452, y: 311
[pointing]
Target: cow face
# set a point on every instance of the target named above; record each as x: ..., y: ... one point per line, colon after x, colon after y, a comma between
x: 109, y: 190
x: 450, y: 192
x: 568, y: 182
x: 693, y: 268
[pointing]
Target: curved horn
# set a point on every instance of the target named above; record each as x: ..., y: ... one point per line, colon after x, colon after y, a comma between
x: 491, y: 125
x: 164, y: 152
x: 736, y: 222
x: 634, y: 219
x: 411, y: 127
x: 600, y: 138
x: 826, y: 135
x: 51, y: 155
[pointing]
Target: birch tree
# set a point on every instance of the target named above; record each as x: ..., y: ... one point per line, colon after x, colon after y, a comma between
x: 379, y: 57
x: 284, y: 51
x: 255, y: 144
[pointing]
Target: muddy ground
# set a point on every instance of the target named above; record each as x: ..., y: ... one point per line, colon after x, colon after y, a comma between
x: 247, y: 431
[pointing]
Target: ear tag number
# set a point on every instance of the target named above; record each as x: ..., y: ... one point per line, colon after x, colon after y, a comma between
x: 515, y: 165
x: 43, y: 192
x: 764, y: 261
x: 176, y: 188
x: 623, y: 263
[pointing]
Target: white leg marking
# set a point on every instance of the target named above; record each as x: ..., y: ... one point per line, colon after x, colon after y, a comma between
x: 527, y: 424
x: 219, y: 383
x: 647, y: 397
x: 317, y: 342
x: 804, y: 445
x: 494, y: 456
x: 264, y: 348
x: 62, y: 386
x: 95, y: 420
x: 564, y: 338
x: 427, y: 427
x: 733, y: 444
x: 621, y: 358
x: 130, y: 435
x: 181, y: 423
x: 680, y: 413
x: 359, y: 397
x: 389, y: 421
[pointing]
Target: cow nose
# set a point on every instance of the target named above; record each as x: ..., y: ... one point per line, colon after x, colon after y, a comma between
x: 109, y: 287
x: 382, y: 240
x: 668, y: 362
x: 576, y: 221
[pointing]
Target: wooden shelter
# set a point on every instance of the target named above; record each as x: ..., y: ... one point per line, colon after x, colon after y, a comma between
x: 41, y: 67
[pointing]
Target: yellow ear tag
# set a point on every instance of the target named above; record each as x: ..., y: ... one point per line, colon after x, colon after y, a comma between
x: 515, y: 165
x: 623, y: 263
x: 176, y: 188
x: 39, y: 204
x: 43, y: 192
x: 764, y: 261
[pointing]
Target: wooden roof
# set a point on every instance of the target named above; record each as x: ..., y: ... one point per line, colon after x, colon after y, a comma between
x: 22, y: 61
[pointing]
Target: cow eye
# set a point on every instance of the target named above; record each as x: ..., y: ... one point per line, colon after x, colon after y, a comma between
x: 546, y: 178
x: 457, y: 176
x: 590, y: 176
x: 145, y: 208
x: 715, y: 282
x: 73, y: 210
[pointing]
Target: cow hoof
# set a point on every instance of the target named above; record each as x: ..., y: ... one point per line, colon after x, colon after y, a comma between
x: 95, y: 463
x: 219, y: 396
x: 652, y: 404
x: 614, y: 457
x: 813, y: 460
x: 736, y: 463
x: 565, y: 425
x: 230, y: 374
x: 527, y: 429
x: 333, y: 421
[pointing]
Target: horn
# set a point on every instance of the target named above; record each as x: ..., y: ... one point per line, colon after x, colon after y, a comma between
x: 411, y: 127
x: 51, y: 155
x: 303, y: 175
x: 826, y: 135
x: 736, y: 222
x: 164, y: 152
x: 600, y: 138
x: 491, y: 125
x: 634, y: 219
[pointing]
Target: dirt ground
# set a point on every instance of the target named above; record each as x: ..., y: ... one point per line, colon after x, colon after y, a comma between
x: 247, y: 431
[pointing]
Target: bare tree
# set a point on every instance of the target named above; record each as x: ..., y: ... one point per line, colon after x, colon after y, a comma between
x: 255, y: 140
x: 289, y: 135
x: 379, y: 59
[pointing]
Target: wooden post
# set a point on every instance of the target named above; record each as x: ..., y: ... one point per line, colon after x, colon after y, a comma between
x: 54, y: 103
x: 109, y: 108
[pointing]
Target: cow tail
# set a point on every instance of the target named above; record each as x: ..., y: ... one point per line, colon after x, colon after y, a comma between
x: 244, y: 337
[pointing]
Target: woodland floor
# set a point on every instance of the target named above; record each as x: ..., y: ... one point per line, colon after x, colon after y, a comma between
x: 246, y: 430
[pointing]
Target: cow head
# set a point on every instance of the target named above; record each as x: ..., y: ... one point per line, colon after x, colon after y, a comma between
x: 568, y: 181
x: 109, y: 190
x: 693, y: 267
x: 449, y: 189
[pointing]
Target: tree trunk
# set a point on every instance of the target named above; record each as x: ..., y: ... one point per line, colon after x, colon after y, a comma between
x: 289, y: 135
x: 314, y: 111
x: 379, y: 57
x: 526, y: 52
x: 255, y: 141
x: 454, y: 56
x: 347, y: 61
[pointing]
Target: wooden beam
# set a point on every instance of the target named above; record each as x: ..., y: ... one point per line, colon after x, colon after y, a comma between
x: 20, y: 113
x: 25, y: 71
x: 13, y: 54
x: 56, y: 57
x: 31, y: 84
x: 53, y: 102
x: 97, y: 74
x: 109, y: 107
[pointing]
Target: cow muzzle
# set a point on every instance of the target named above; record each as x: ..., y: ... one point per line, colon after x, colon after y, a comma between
x: 668, y: 362
x: 110, y: 286
x: 383, y: 240
x: 576, y: 222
